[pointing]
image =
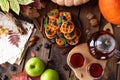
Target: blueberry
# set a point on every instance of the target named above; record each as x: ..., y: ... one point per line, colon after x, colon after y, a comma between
x: 54, y: 23
x: 46, y: 45
x: 70, y: 34
x: 12, y: 67
x: 62, y: 17
x: 36, y: 48
x: 66, y: 45
x: 55, y: 36
x: 53, y: 40
x: 49, y: 31
x: 4, y: 77
x: 68, y: 23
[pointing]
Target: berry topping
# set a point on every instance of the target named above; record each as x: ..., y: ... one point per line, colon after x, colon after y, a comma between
x: 54, y: 23
x: 70, y: 34
x: 68, y: 23
x: 62, y: 17
x: 53, y: 40
x: 49, y: 31
x: 55, y: 36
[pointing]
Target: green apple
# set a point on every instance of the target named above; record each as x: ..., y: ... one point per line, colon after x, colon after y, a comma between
x: 34, y: 67
x: 49, y: 74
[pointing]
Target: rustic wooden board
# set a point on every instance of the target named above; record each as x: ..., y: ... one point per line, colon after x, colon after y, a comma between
x: 54, y: 57
x: 91, y: 7
x: 112, y: 70
x: 117, y: 67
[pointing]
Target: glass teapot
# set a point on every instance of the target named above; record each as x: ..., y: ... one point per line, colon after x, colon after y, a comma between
x: 102, y: 45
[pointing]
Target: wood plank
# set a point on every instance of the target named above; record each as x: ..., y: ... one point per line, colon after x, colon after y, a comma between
x: 118, y: 74
x: 58, y: 61
x: 90, y: 7
x: 116, y: 32
x: 111, y: 71
x: 54, y: 57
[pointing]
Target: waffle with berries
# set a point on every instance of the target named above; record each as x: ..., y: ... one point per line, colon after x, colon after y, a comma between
x: 60, y: 29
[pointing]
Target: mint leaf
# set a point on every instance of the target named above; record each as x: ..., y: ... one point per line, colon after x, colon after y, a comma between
x: 60, y: 21
x: 14, y: 5
x: 63, y: 39
x: 46, y: 22
x: 4, y: 4
x: 25, y: 2
x: 51, y: 13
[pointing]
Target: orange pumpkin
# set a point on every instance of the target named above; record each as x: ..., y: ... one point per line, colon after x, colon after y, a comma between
x: 110, y: 9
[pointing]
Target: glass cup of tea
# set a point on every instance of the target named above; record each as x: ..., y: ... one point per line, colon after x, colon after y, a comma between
x: 95, y: 70
x: 77, y: 60
x: 102, y: 45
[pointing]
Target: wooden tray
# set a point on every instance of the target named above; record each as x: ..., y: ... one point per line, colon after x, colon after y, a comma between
x: 82, y: 73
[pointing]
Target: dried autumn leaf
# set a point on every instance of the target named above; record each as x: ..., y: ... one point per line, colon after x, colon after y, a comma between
x: 14, y: 5
x: 35, y: 78
x: 21, y: 76
x: 33, y: 54
x: 14, y: 38
x: 4, y: 4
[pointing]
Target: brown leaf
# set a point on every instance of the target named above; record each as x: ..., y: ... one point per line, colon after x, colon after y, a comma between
x: 14, y: 38
x: 21, y: 76
x: 36, y: 78
x: 33, y: 54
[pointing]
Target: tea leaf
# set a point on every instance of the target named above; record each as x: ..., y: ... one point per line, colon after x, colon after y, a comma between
x: 15, y: 6
x: 46, y: 22
x: 4, y: 4
x: 25, y: 2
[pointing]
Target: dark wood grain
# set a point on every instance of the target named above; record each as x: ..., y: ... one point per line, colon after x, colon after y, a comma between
x: 56, y: 57
x: 116, y: 32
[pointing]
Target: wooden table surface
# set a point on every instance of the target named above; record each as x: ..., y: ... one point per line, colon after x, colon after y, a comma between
x: 56, y: 57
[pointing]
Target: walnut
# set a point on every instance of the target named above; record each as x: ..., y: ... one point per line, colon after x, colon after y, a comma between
x: 90, y: 15
x: 94, y: 22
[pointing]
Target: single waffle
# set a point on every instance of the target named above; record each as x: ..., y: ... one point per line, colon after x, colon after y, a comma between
x: 49, y: 32
x: 71, y: 35
x: 58, y: 32
x: 53, y: 13
x: 74, y: 41
x: 67, y: 27
x: 59, y: 41
x: 53, y: 23
x: 67, y: 15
